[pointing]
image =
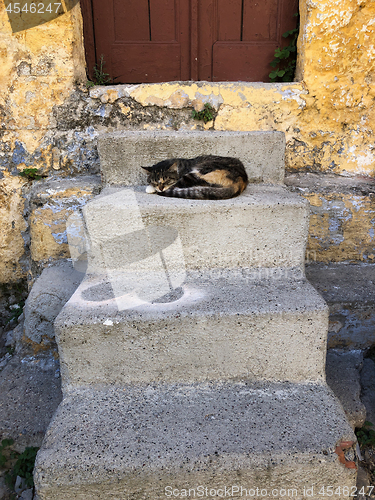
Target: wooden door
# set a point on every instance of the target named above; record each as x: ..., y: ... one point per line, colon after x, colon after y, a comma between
x: 144, y: 41
x: 238, y: 38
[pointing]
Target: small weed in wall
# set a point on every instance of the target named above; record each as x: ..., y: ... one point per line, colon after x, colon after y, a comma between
x: 31, y: 174
x: 23, y: 467
x: 17, y: 464
x: 206, y: 114
x: 366, y: 435
x: 285, y: 59
x: 100, y: 77
x: 17, y: 310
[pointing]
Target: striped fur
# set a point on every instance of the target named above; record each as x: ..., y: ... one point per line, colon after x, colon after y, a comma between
x: 201, y: 178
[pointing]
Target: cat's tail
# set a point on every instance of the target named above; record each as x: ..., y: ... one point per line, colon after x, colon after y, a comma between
x: 206, y: 192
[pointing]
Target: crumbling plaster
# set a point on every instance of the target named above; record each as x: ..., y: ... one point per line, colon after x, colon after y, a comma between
x: 50, y: 120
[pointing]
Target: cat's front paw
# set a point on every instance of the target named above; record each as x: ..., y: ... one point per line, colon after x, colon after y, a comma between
x: 150, y: 190
x: 167, y: 192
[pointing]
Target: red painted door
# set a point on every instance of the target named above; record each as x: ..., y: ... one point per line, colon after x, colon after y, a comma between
x: 146, y: 41
x: 142, y: 40
x: 238, y: 38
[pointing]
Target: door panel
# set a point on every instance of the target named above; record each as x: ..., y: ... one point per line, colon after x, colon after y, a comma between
x: 260, y: 20
x: 207, y: 35
x: 163, y: 20
x: 242, y: 38
x: 145, y: 62
x: 130, y: 35
x: 229, y: 15
x: 239, y: 61
x: 132, y: 23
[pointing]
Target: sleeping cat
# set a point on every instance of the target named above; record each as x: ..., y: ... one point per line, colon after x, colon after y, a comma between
x: 205, y: 178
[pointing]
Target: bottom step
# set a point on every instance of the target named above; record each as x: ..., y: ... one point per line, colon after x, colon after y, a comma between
x: 159, y: 442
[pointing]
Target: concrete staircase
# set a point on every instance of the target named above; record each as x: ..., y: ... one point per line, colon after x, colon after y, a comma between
x: 193, y: 353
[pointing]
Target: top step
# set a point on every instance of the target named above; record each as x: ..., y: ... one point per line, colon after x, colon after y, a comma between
x: 123, y: 153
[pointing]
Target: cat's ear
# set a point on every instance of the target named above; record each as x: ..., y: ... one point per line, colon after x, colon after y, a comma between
x: 148, y: 169
x: 173, y: 167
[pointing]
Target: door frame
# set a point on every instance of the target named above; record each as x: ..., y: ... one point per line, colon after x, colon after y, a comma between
x: 90, y: 45
x: 88, y: 37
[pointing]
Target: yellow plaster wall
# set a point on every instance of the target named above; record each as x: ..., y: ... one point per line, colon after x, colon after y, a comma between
x: 39, y: 68
x: 342, y: 228
x: 48, y: 222
x: 12, y: 224
x: 337, y: 65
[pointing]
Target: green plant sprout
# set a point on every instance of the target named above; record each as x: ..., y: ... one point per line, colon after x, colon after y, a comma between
x: 32, y: 174
x: 23, y: 467
x: 285, y: 59
x: 206, y: 114
x: 17, y: 311
x: 100, y: 77
x: 366, y: 435
x: 10, y: 350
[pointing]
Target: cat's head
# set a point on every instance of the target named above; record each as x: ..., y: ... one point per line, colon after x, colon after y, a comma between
x: 162, y: 176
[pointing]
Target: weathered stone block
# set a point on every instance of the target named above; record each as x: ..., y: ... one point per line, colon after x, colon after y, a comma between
x: 50, y: 292
x: 342, y: 370
x: 52, y: 203
x: 123, y: 153
x: 348, y: 290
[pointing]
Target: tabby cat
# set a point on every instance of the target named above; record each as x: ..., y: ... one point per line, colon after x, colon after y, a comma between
x: 205, y: 178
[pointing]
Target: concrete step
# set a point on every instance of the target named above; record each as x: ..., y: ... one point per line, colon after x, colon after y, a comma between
x: 259, y: 324
x: 266, y: 226
x: 123, y: 153
x: 147, y: 442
